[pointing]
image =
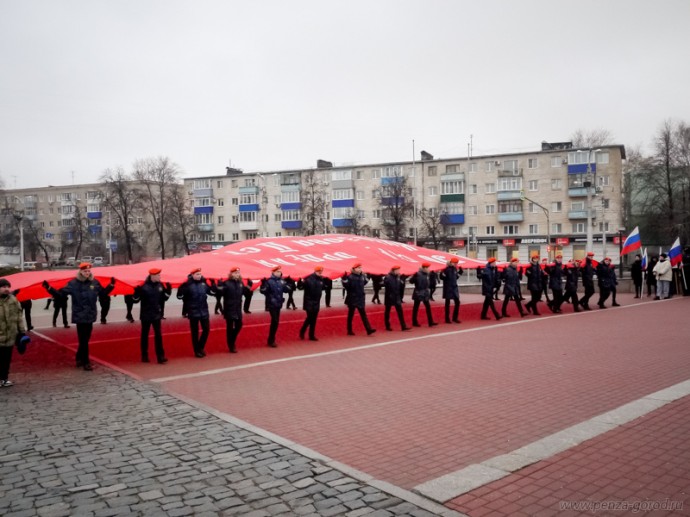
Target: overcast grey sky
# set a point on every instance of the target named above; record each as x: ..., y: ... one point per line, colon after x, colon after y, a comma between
x: 87, y: 85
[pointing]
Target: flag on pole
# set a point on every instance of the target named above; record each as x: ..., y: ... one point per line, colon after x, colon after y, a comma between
x: 644, y: 260
x: 633, y: 242
x: 675, y: 254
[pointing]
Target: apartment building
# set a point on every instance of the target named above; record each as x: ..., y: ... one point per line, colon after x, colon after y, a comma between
x: 501, y: 205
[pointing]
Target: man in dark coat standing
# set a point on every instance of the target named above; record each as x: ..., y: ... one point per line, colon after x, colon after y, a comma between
x: 327, y: 288
x: 511, y: 288
x: 150, y: 294
x: 311, y: 303
x: 273, y: 289
x: 555, y: 280
x: 355, y: 298
x: 535, y: 284
x: 248, y: 293
x: 193, y: 294
x: 392, y: 297
x: 377, y: 284
x: 490, y: 281
x: 84, y: 290
x: 605, y: 279
x: 636, y: 274
x: 572, y: 275
x: 421, y: 294
x: 232, y: 291
x: 451, y: 292
x: 587, y: 280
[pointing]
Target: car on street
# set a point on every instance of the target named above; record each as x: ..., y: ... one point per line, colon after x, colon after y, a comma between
x: 98, y: 261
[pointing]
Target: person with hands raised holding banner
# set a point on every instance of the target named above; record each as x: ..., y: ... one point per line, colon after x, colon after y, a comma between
x: 151, y: 293
x: 355, y: 298
x: 193, y: 294
x: 273, y: 289
x: 232, y: 291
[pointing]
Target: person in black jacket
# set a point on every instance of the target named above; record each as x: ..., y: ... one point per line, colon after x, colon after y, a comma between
x: 392, y: 297
x: 451, y: 292
x: 572, y: 275
x: 636, y: 274
x: 355, y: 298
x: 490, y: 279
x: 273, y: 289
x: 150, y: 295
x: 311, y: 303
x: 248, y: 293
x: 59, y: 305
x: 327, y: 288
x: 377, y: 284
x: 587, y: 280
x: 555, y: 280
x: 193, y: 294
x: 535, y: 284
x: 292, y: 286
x: 232, y: 291
x: 422, y: 294
x: 104, y: 302
x: 605, y: 280
x: 26, y: 306
x: 84, y: 290
x: 650, y: 278
x: 511, y: 287
x: 129, y: 304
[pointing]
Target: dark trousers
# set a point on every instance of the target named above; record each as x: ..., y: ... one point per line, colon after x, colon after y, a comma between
x: 572, y: 296
x: 327, y: 293
x: 516, y: 299
x: 199, y: 343
x: 375, y: 298
x: 310, y: 323
x: 604, y: 293
x: 489, y: 304
x: 290, y: 302
x: 50, y: 300
x: 415, y: 310
x: 84, y: 336
x: 232, y: 330
x: 105, y: 309
x: 218, y: 309
x: 638, y: 289
x: 157, y: 339
x: 273, y: 329
x: 557, y: 300
x: 589, y: 291
x: 351, y: 315
x: 456, y: 309
x: 26, y: 306
x: 56, y: 311
x: 247, y: 299
x: 535, y: 298
x: 387, y: 315
x: 5, y: 360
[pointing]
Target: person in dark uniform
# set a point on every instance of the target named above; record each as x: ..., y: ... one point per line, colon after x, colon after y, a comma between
x: 84, y: 290
x: 587, y: 280
x: 26, y: 306
x: 433, y: 284
x: 355, y: 298
x: 218, y: 308
x: 636, y: 275
x: 605, y: 280
x: 451, y: 292
x: 150, y: 295
x: 392, y: 297
x: 104, y: 302
x: 555, y: 281
x: 312, y: 286
x: 194, y: 293
x: 292, y: 285
x: 248, y: 293
x: 650, y: 278
x: 377, y: 284
x: 129, y: 304
x: 535, y: 284
x: 490, y: 279
x: 545, y: 281
x: 59, y: 305
x: 511, y: 288
x: 422, y: 294
x: 232, y: 291
x: 614, y: 286
x: 327, y: 288
x: 572, y: 276
x: 273, y: 289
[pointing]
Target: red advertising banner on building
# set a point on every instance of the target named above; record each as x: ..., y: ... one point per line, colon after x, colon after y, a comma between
x: 509, y: 242
x: 562, y: 241
x: 459, y: 244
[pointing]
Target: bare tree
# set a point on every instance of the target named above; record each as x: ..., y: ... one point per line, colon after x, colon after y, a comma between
x: 433, y: 229
x: 77, y: 232
x: 396, y: 206
x: 314, y: 203
x: 181, y: 220
x: 34, y: 240
x: 123, y: 200
x: 157, y: 177
x: 592, y: 138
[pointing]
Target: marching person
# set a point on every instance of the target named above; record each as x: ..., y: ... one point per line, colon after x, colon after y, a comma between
x: 636, y: 274
x: 232, y: 291
x: 392, y: 297
x: 59, y: 305
x: 605, y: 280
x: 150, y: 294
x: 572, y: 276
x: 614, y: 286
x: 422, y: 294
x: 511, y: 288
x: 664, y: 275
x: 248, y: 293
x: 26, y: 306
x: 12, y: 330
x: 218, y: 308
x: 194, y: 293
x: 587, y: 274
x: 535, y: 284
x: 451, y: 292
x: 555, y: 281
x: 129, y: 304
x: 311, y: 303
x: 84, y: 290
x: 355, y: 299
x: 292, y: 285
x: 273, y: 289
x: 490, y: 279
x: 377, y: 284
x: 327, y: 288
x: 104, y: 302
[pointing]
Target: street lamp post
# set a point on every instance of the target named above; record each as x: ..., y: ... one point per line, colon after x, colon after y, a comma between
x: 589, y: 179
x: 548, y: 222
x: 620, y: 250
x: 19, y: 217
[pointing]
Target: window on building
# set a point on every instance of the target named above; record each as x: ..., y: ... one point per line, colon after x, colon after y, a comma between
x: 604, y: 227
x: 220, y: 202
x: 556, y: 161
x: 360, y: 214
x: 452, y: 187
x: 509, y: 207
x: 245, y: 199
x: 431, y: 171
x: 473, y: 231
x: 511, y: 229
x: 489, y: 166
x: 342, y: 213
x: 533, y: 163
x: 252, y: 235
x: 510, y: 165
x: 533, y: 185
x: 474, y: 167
x: 291, y: 215
x: 221, y: 237
x: 579, y: 227
x: 603, y: 181
x: 248, y: 217
x: 376, y: 174
x: 433, y: 191
x: 605, y: 203
x: 392, y: 171
x: 234, y: 201
x: 490, y: 230
x: 235, y: 218
x: 433, y: 212
x: 341, y: 175
x: 490, y: 188
x: 472, y: 210
x: 556, y: 228
x: 290, y: 197
x: 233, y: 184
x: 342, y: 193
x: 376, y: 214
x: 473, y: 188
x: 534, y: 229
x: 376, y: 233
x: 278, y: 217
x: 221, y: 219
x: 577, y: 206
x: 490, y: 209
x: 603, y: 158
x: 201, y: 184
x: 556, y: 184
x: 235, y: 236
x: 556, y: 206
x: 509, y: 184
x: 359, y: 175
x: 451, y: 169
x: 219, y: 183
x: 360, y: 194
x: 375, y: 194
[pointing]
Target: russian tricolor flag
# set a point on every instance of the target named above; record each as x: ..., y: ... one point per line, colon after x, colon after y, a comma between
x: 633, y: 242
x: 644, y: 260
x: 675, y: 254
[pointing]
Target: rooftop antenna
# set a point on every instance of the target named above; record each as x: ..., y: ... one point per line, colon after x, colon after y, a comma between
x: 471, y: 137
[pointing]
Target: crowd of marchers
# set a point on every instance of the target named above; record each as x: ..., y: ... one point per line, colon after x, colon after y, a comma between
x: 554, y: 284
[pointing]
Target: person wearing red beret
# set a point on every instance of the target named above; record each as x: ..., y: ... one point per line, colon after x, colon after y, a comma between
x: 151, y: 293
x: 511, y: 288
x: 422, y: 294
x: 587, y: 280
x: 355, y: 299
x: 194, y: 293
x: 536, y: 278
x: 451, y: 292
x: 393, y: 286
x: 274, y: 288
x: 312, y: 285
x: 605, y: 280
x: 555, y: 281
x: 232, y: 291
x: 490, y: 280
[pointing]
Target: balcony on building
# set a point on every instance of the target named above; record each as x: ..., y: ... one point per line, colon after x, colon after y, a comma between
x: 508, y: 195
x: 203, y: 209
x: 504, y: 173
x: 453, y: 176
x: 510, y: 217
x: 291, y: 225
x: 203, y: 192
x: 289, y: 179
x: 452, y: 198
x: 580, y: 214
x: 447, y: 219
x: 205, y: 227
x: 254, y: 207
x: 391, y: 180
x: 392, y: 201
x: 249, y: 225
x: 291, y: 206
x: 94, y: 215
x: 254, y: 189
x: 581, y: 168
x: 343, y: 203
x: 341, y: 223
